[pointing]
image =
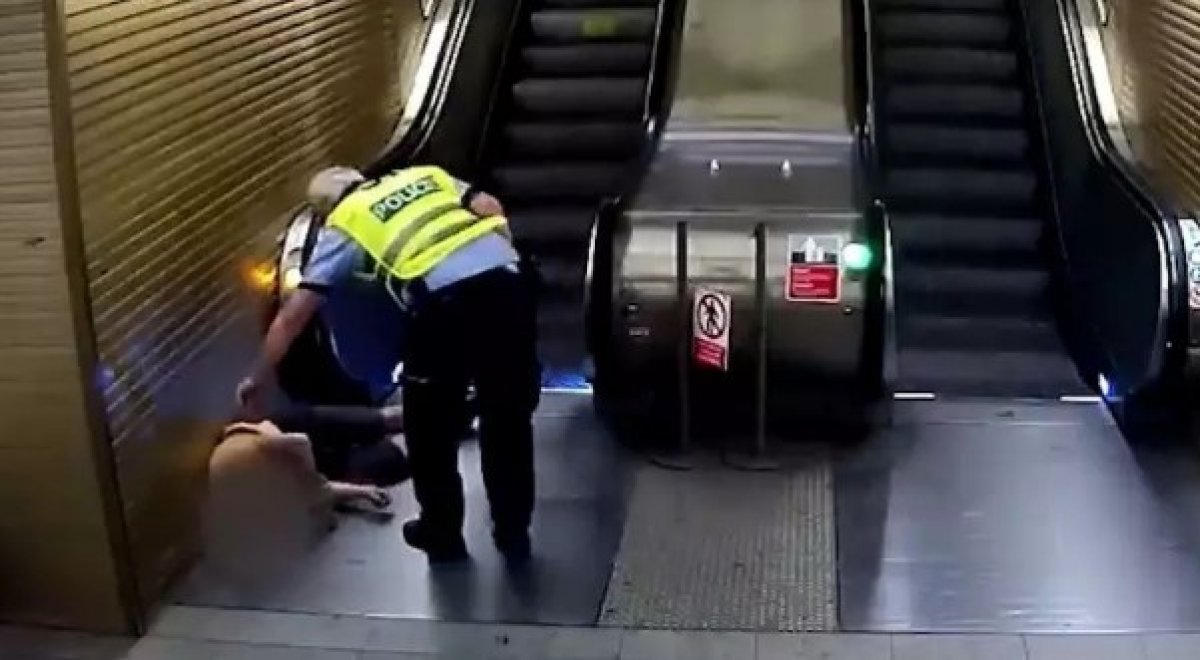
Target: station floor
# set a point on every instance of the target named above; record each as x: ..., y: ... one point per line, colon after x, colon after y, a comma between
x: 974, y: 530
x: 184, y: 633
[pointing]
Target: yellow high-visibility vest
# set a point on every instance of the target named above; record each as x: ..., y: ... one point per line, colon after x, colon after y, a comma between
x: 410, y: 220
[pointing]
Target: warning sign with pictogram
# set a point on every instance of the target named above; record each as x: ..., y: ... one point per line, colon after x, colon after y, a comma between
x: 711, y: 316
x: 814, y: 271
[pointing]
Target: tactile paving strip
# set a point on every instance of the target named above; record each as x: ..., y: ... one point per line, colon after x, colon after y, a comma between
x: 720, y: 549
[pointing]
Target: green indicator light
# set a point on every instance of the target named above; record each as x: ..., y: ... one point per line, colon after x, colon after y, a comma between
x: 856, y: 256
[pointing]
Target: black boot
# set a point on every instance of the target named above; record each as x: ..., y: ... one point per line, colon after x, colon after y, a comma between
x: 438, y: 550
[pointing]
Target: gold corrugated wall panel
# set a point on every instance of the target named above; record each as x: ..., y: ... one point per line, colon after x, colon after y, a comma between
x: 196, y: 126
x: 56, y: 563
x: 1154, y: 50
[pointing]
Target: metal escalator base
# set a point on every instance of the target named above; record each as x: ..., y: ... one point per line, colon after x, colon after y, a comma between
x: 1016, y: 517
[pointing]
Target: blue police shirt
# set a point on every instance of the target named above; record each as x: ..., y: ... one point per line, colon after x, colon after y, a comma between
x: 365, y: 320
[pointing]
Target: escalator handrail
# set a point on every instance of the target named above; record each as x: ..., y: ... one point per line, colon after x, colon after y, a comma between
x: 660, y: 80
x: 652, y: 74
x: 867, y: 102
x: 493, y: 102
x: 1171, y: 333
x: 432, y: 91
x: 866, y: 129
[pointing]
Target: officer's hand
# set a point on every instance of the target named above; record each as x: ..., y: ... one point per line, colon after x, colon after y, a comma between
x: 486, y: 206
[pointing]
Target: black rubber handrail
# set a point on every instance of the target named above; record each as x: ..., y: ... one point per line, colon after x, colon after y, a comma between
x: 660, y: 85
x: 862, y: 50
x: 505, y: 69
x: 418, y: 134
x: 866, y: 96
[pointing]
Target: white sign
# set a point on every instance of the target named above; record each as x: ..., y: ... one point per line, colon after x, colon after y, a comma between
x: 712, y: 313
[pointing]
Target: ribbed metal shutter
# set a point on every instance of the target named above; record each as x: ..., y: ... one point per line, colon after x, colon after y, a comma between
x: 1155, y: 46
x: 56, y: 566
x: 196, y: 125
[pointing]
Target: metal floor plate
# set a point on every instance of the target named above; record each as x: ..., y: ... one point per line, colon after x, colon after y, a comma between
x: 365, y: 567
x: 1022, y: 518
x: 720, y: 549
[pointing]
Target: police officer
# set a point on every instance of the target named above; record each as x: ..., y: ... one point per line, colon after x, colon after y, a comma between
x: 443, y: 251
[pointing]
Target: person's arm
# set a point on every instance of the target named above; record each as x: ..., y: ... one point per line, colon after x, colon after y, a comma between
x: 333, y: 261
x: 289, y: 322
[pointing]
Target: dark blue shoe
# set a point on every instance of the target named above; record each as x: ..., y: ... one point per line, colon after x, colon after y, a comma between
x: 439, y: 550
x: 514, y: 545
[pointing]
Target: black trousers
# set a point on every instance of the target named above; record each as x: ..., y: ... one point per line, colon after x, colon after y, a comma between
x: 350, y: 443
x: 480, y: 331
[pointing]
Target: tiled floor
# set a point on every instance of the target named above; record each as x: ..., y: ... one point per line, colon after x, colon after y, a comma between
x: 186, y: 633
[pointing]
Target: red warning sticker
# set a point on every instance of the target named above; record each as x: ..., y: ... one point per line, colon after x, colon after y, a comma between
x: 814, y: 271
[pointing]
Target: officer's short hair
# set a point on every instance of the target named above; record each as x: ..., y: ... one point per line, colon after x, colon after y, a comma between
x: 328, y: 186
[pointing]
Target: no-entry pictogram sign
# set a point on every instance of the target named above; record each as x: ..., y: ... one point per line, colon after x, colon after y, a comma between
x: 711, y: 317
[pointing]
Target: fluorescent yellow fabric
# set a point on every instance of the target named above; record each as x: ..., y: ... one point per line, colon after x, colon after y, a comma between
x: 410, y: 220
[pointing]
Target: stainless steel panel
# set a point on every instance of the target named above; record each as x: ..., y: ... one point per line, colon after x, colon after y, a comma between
x: 821, y: 341
x: 709, y: 166
x: 759, y: 133
x: 777, y: 63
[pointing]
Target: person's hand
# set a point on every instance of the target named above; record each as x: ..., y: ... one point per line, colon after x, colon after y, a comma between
x: 249, y: 397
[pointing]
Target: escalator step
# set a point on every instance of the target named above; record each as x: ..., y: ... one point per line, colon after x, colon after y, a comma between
x: 562, y: 277
x: 946, y: 102
x: 552, y: 228
x: 997, y: 333
x: 586, y: 59
x: 622, y: 97
x: 966, y: 241
x: 954, y: 5
x: 924, y: 141
x: 949, y: 63
x: 972, y: 291
x: 1034, y: 374
x: 575, y: 25
x: 567, y: 141
x: 984, y: 30
x: 558, y: 181
x: 960, y: 188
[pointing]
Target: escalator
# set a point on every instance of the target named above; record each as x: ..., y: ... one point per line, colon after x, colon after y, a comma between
x: 566, y: 129
x: 964, y: 178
